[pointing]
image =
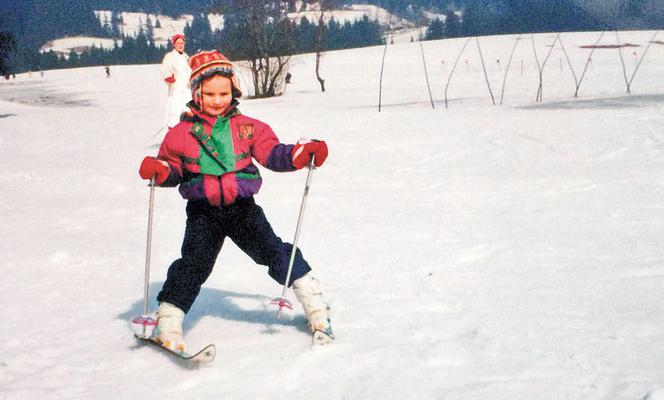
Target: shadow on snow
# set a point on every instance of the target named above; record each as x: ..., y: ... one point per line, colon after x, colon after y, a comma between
x: 222, y: 304
x: 628, y: 101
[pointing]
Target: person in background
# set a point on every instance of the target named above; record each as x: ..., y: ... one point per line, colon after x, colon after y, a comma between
x: 175, y: 72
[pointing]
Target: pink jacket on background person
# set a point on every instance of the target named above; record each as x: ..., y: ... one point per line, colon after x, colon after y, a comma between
x: 250, y: 139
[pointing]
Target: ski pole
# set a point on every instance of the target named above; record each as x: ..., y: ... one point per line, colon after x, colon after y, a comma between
x: 282, y: 301
x: 145, y: 320
x: 148, y: 248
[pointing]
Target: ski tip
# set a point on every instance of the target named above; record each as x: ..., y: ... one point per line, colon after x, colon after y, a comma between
x: 322, y: 338
x: 206, y: 355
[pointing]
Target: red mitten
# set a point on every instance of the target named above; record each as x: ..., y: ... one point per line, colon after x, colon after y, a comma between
x: 302, y: 153
x: 170, y: 79
x: 152, y: 167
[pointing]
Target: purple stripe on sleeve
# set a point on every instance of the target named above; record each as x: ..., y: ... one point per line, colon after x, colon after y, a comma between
x: 280, y: 159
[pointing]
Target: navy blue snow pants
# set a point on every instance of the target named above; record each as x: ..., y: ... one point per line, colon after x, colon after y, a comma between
x: 207, y: 226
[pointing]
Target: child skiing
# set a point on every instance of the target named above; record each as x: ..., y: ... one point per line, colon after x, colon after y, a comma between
x: 209, y: 155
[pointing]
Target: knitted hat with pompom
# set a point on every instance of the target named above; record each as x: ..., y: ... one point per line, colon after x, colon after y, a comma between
x: 209, y: 63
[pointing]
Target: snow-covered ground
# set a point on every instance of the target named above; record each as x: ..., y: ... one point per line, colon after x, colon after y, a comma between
x: 79, y: 44
x: 474, y: 252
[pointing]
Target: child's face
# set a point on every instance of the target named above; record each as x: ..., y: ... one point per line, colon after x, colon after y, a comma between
x: 216, y: 95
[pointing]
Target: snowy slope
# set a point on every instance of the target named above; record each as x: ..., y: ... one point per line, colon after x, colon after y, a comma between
x: 352, y: 13
x: 474, y: 252
x: 64, y: 46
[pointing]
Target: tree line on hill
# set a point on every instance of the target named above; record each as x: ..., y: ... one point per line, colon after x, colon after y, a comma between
x: 28, y: 24
x: 528, y: 16
x: 294, y: 38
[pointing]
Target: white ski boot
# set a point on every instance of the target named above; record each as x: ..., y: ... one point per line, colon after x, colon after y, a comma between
x: 169, y: 327
x: 308, y: 293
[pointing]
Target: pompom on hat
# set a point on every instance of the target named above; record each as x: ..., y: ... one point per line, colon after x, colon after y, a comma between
x: 209, y: 63
x: 176, y: 37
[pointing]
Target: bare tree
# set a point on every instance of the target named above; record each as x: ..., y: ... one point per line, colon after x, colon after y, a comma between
x: 260, y: 33
x: 319, y: 44
x: 323, y: 7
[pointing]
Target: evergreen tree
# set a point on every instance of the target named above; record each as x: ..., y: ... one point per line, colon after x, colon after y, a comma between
x: 334, y: 35
x: 452, y: 24
x: 149, y: 30
x: 74, y: 60
x: 435, y: 30
x: 484, y: 17
x: 107, y: 27
x: 199, y: 34
x: 7, y: 46
x: 365, y: 33
x: 49, y: 60
x: 116, y: 25
x: 305, y: 35
x: 547, y: 16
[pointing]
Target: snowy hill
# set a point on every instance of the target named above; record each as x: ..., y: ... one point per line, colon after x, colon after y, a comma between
x: 353, y: 13
x: 471, y: 252
x: 132, y: 22
x: 78, y: 44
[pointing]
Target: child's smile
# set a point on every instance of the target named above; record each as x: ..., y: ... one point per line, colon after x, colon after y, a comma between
x: 216, y: 95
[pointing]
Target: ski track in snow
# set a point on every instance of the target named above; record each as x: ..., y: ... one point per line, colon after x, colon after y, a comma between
x: 474, y: 252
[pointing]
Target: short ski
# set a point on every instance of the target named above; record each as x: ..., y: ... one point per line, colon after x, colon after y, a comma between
x: 204, y: 356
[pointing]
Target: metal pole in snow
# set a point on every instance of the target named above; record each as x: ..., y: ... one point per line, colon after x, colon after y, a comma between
x: 509, y: 62
x: 426, y: 74
x: 380, y: 81
x: 449, y: 79
x: 145, y: 320
x: 148, y: 248
x: 588, y: 61
x: 283, y: 301
x: 622, y: 61
x: 486, y: 76
x: 643, y: 55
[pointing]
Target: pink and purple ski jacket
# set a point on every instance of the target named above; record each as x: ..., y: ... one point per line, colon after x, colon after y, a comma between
x: 211, y: 157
